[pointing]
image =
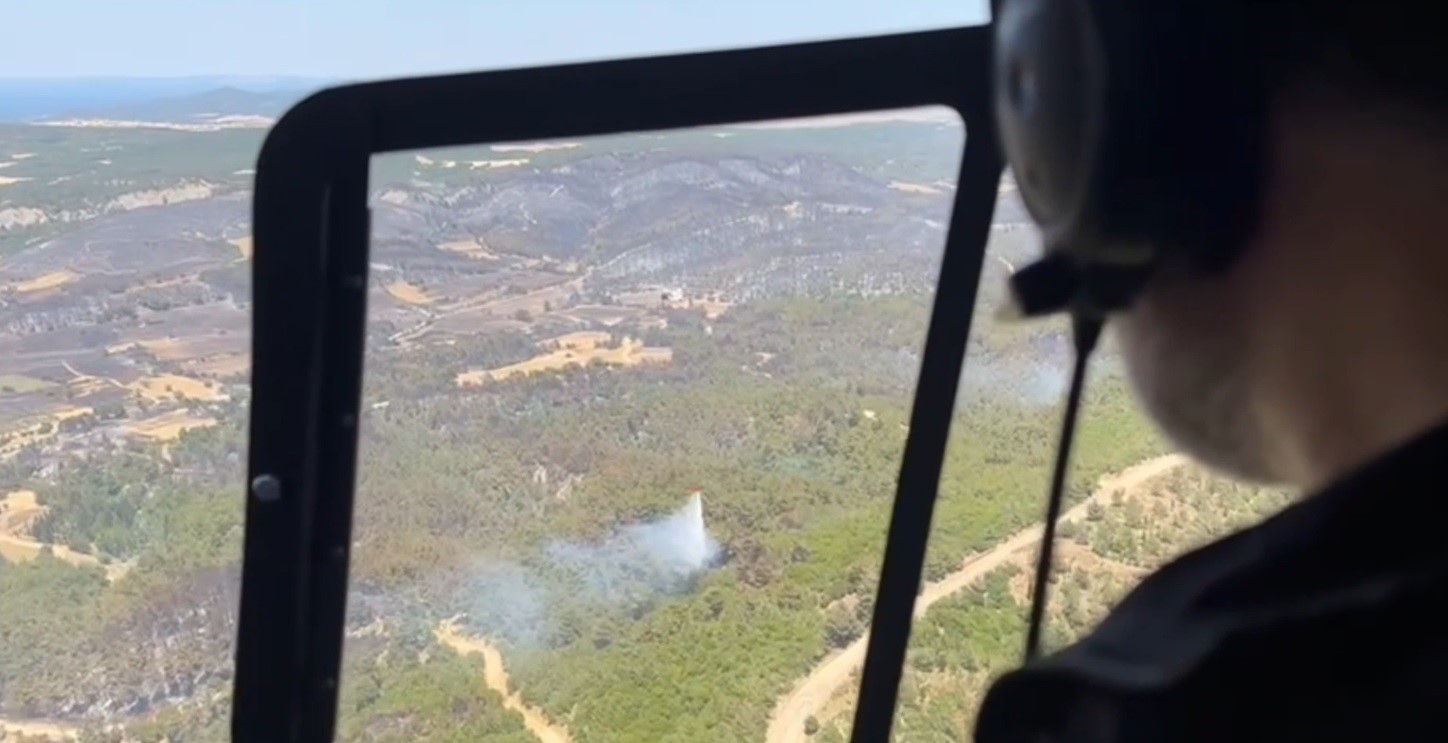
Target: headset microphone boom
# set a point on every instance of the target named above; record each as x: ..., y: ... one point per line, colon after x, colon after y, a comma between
x: 1134, y: 129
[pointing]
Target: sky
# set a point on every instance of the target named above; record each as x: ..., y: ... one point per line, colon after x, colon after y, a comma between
x: 360, y: 39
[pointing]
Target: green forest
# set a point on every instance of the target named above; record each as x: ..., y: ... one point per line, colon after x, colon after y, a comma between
x: 789, y: 415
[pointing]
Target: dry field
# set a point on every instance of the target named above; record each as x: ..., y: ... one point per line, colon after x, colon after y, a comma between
x: 535, y: 146
x: 225, y: 366
x: 37, y: 429
x: 189, y: 348
x: 475, y: 249
x: 403, y: 291
x: 909, y: 187
x: 169, y: 386
x: 168, y: 426
x: 574, y: 349
x: 52, y: 280
x: 243, y: 246
x: 18, y: 512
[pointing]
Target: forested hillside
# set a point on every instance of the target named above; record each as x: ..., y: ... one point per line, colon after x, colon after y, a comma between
x: 632, y: 420
x: 796, y: 455
x: 966, y: 641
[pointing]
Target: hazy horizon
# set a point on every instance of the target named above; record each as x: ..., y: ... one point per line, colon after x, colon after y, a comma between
x: 272, y: 79
x: 381, y: 38
x: 159, y: 49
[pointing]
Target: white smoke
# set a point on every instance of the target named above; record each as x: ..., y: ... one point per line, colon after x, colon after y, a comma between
x: 1035, y: 378
x: 636, y: 563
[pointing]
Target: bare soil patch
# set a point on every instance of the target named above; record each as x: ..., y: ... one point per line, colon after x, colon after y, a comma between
x: 495, y: 676
x: 19, y: 510
x: 51, y: 280
x: 225, y: 366
x: 403, y: 291
x: 168, y: 426
x: 535, y: 146
x: 189, y: 348
x: 243, y: 246
x: 580, y: 350
x: 170, y: 386
x: 908, y: 187
x: 38, y: 429
x: 475, y: 249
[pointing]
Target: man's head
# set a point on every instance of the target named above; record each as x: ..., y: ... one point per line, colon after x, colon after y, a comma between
x: 1325, y: 341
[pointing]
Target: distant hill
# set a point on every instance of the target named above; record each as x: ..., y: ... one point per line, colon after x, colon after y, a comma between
x: 224, y: 101
x: 23, y: 99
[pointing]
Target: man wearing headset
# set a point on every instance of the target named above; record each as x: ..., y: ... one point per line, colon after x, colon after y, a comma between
x: 1300, y: 340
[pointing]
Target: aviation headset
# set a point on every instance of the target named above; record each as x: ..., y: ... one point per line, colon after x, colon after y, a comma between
x: 1135, y: 131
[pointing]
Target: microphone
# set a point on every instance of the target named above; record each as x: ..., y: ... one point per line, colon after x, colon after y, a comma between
x: 1059, y: 282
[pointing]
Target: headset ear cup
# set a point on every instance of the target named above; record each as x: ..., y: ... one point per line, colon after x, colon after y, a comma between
x: 1048, y: 81
x: 1135, y: 128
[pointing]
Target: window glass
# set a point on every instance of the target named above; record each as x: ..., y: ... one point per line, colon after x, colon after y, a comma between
x: 633, y: 413
x: 125, y: 287
x: 128, y: 141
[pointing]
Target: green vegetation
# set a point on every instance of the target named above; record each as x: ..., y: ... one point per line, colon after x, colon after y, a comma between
x: 790, y: 414
x: 395, y: 690
x: 909, y: 151
x: 19, y: 383
x: 137, y: 158
x: 797, y: 456
x: 46, y: 605
x: 1189, y: 508
x: 399, y: 698
x: 76, y: 172
x: 966, y: 641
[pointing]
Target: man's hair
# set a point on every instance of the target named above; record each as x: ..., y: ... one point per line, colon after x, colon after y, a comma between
x: 1383, y: 52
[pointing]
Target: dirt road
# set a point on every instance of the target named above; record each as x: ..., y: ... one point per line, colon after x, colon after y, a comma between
x: 786, y: 725
x: 495, y: 675
x: 18, y: 511
x: 505, y: 306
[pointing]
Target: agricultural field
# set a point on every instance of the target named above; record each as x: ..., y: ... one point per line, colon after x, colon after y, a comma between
x: 573, y: 351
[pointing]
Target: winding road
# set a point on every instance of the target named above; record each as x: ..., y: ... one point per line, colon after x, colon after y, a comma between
x: 807, y: 698
x: 787, y: 723
x: 18, y: 510
x: 495, y: 676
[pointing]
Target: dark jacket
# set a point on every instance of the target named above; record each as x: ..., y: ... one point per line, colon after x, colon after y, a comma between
x: 1326, y: 622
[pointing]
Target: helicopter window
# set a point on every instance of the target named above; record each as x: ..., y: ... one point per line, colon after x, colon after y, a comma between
x: 124, y: 353
x: 1133, y: 504
x: 633, y: 411
x: 121, y: 524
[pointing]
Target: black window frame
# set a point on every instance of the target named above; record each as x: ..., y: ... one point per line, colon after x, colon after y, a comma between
x: 310, y: 273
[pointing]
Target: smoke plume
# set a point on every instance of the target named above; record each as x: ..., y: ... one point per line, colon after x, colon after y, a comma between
x: 639, y: 562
